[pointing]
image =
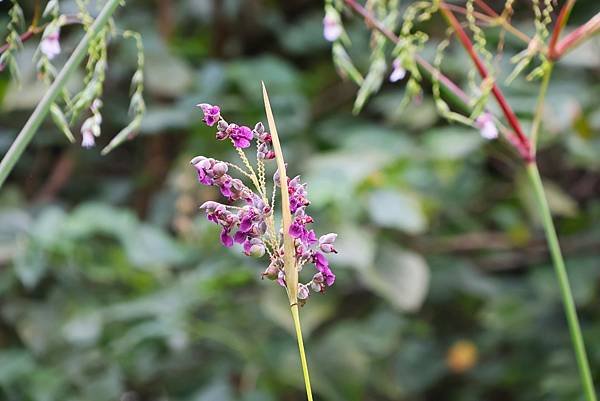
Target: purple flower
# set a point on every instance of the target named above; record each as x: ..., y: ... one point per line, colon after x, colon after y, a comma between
x: 322, y: 266
x: 281, y: 278
x: 212, y: 114
x: 398, y: 72
x: 226, y: 239
x: 486, y: 125
x: 241, y: 136
x: 297, y: 192
x: 50, y: 44
x: 252, y: 224
x: 331, y: 27
x: 326, y: 242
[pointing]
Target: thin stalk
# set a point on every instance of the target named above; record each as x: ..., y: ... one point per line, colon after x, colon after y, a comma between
x: 575, y: 38
x: 296, y: 317
x: 41, y: 111
x: 291, y: 271
x: 561, y: 21
x: 539, y: 108
x: 563, y: 281
x: 492, y: 20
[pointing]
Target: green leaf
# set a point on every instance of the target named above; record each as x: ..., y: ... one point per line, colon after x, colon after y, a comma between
x: 401, y: 277
x: 399, y: 210
x: 452, y: 143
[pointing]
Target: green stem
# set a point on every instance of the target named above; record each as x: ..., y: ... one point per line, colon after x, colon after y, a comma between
x: 296, y: 317
x: 41, y: 111
x: 563, y: 281
x: 539, y: 108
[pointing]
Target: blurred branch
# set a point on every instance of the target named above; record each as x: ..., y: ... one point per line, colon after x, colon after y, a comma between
x: 449, y: 87
x: 34, y: 30
x: 58, y: 178
x: 522, y: 142
x: 39, y: 114
x: 493, y: 20
x: 561, y: 21
x: 576, y: 37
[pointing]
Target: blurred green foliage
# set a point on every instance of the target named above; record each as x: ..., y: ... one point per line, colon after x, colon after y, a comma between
x: 114, y: 287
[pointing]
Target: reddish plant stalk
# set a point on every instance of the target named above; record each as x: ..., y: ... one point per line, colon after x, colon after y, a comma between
x: 523, y: 144
x: 24, y: 37
x: 561, y: 21
x: 575, y: 38
x: 484, y: 6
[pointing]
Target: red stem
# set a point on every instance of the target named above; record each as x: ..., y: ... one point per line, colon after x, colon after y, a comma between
x: 523, y: 142
x: 489, y: 10
x: 561, y: 21
x: 24, y: 37
x: 575, y: 37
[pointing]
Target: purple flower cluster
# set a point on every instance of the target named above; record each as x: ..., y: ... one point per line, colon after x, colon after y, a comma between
x: 214, y: 172
x: 252, y: 224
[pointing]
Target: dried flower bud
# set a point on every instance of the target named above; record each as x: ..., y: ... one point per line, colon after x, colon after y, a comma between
x: 271, y: 272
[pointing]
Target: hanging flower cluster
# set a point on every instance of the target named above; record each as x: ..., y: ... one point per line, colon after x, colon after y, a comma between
x: 247, y: 218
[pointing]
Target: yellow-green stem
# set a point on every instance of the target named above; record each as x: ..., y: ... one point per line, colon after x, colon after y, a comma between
x: 563, y: 282
x: 296, y: 317
x: 291, y: 271
x: 539, y: 109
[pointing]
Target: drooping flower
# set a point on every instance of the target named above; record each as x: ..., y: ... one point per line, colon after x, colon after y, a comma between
x: 486, y: 125
x: 326, y: 243
x: 50, y: 44
x: 398, y: 71
x: 332, y: 29
x: 251, y: 223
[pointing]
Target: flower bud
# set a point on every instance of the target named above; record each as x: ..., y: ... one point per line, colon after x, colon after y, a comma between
x: 210, y: 205
x: 303, y: 291
x: 219, y: 169
x: 259, y: 128
x: 197, y: 160
x: 222, y: 126
x: 271, y: 272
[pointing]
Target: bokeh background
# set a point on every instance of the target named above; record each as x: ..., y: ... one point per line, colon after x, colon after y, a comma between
x: 114, y: 287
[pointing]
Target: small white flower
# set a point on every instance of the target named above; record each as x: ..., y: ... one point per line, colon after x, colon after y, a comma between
x: 398, y: 72
x: 486, y: 125
x: 50, y: 44
x: 87, y: 139
x: 331, y: 27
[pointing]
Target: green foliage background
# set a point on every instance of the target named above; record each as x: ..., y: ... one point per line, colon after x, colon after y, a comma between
x: 114, y: 287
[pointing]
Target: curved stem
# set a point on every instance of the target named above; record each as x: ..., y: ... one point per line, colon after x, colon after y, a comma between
x: 39, y: 114
x: 296, y: 317
x: 563, y: 281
